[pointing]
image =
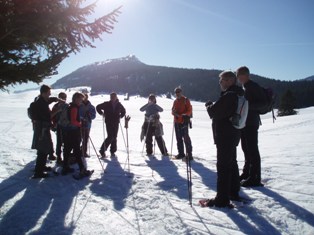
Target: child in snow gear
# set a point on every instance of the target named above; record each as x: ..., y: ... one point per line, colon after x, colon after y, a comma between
x: 61, y: 105
x: 152, y: 126
x: 88, y: 113
x: 72, y: 136
x: 251, y: 176
x: 112, y: 111
x: 226, y: 138
x: 182, y: 112
x: 42, y: 123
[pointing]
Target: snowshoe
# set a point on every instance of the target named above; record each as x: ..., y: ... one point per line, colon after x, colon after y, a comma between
x: 80, y: 175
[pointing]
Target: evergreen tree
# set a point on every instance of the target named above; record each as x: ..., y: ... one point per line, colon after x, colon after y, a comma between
x: 287, y: 104
x: 36, y: 35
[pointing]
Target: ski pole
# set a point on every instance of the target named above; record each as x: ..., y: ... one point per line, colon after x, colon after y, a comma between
x: 123, y: 137
x: 189, y: 179
x: 126, y: 126
x: 96, y: 153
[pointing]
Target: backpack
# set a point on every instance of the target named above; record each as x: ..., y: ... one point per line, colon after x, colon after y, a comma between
x: 270, y: 98
x: 32, y: 110
x: 238, y: 119
x: 64, y: 118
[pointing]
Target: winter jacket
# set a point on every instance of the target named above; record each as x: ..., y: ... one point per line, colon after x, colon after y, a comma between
x: 181, y: 107
x: 221, y: 112
x: 42, y: 124
x: 256, y: 98
x: 88, y: 113
x: 111, y: 112
x: 151, y: 109
x: 75, y: 118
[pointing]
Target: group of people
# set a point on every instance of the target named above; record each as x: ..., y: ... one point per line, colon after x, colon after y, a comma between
x: 227, y: 137
x: 81, y: 112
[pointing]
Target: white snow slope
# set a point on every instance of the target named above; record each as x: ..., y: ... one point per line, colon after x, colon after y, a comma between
x: 153, y: 197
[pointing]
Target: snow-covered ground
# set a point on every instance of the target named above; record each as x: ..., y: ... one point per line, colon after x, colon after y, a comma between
x: 153, y: 198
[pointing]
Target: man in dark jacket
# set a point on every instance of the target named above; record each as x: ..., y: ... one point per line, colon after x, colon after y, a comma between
x: 226, y: 138
x: 112, y: 111
x: 42, y: 123
x: 251, y: 176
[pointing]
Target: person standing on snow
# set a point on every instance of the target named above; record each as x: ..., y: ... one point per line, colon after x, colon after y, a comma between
x: 59, y: 141
x: 182, y: 112
x: 72, y: 137
x: 251, y: 176
x: 42, y: 137
x: 88, y: 113
x: 152, y: 126
x: 111, y: 111
x: 226, y: 138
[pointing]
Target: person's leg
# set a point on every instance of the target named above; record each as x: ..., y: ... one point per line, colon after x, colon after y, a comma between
x: 244, y: 144
x: 113, y: 146
x: 187, y: 141
x: 161, y: 145
x: 149, y: 139
x: 179, y: 137
x: 224, y: 163
x: 59, y: 141
x: 40, y: 163
x: 254, y: 178
x: 235, y: 179
x: 76, y: 138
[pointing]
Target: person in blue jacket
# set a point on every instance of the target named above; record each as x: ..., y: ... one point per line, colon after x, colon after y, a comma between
x: 87, y: 113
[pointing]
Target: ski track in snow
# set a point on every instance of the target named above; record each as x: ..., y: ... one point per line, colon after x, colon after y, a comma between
x: 152, y: 198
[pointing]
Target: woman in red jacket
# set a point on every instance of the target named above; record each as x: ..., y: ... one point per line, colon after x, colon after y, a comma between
x: 72, y: 136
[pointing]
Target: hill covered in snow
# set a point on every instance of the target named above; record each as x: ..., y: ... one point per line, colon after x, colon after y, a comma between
x: 130, y: 75
x: 152, y: 197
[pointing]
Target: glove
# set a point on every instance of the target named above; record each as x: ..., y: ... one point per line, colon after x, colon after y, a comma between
x: 208, y: 103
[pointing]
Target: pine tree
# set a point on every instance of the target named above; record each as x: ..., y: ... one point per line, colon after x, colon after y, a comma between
x: 37, y: 35
x: 287, y: 104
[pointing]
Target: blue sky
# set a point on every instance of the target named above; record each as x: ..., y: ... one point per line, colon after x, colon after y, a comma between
x: 274, y: 38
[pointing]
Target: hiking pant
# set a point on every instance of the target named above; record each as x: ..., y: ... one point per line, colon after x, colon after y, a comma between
x: 85, y: 139
x: 40, y: 162
x: 228, y: 183
x: 150, y: 130
x: 72, y: 141
x: 182, y: 135
x: 59, y: 140
x: 249, y: 143
x: 112, y: 133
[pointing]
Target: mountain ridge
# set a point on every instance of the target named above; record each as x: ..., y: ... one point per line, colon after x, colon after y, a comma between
x: 130, y: 75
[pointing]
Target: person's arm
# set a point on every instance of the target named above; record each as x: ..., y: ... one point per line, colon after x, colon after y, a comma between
x: 122, y: 111
x: 159, y: 109
x: 188, y: 108
x: 101, y: 108
x: 92, y: 112
x: 145, y: 107
x: 224, y: 107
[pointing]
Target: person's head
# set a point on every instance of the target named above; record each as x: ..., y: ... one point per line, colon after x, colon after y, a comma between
x: 178, y: 92
x: 243, y: 74
x: 62, y: 96
x: 152, y: 98
x: 45, y: 91
x: 113, y: 97
x: 85, y: 97
x: 227, y: 79
x: 77, y: 98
